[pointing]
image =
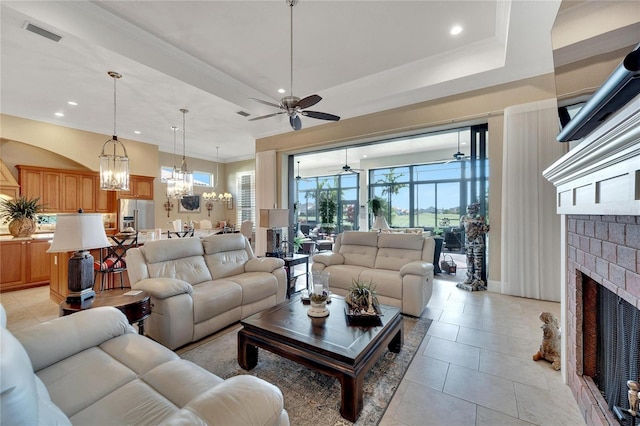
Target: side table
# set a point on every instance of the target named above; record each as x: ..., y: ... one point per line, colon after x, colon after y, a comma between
x: 289, y: 262
x: 137, y: 308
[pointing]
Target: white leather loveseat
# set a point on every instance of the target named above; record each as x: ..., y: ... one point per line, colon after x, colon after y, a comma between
x: 199, y: 286
x: 400, y: 265
x: 92, y: 368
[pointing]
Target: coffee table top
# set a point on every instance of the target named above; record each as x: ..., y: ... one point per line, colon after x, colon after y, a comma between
x: 331, y: 336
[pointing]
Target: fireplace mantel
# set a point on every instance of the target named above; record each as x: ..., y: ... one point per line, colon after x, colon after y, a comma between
x: 601, y: 176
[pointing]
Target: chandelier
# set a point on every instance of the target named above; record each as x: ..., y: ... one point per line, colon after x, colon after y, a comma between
x: 182, y: 183
x: 114, y: 166
x: 213, y: 197
x: 174, y: 183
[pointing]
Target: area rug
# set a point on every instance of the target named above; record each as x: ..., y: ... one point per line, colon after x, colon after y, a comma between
x: 312, y: 398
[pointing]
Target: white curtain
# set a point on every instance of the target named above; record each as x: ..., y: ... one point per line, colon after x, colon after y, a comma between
x: 530, y: 225
x: 265, y: 193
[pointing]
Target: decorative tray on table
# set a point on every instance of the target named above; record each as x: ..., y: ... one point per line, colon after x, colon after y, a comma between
x: 355, y: 317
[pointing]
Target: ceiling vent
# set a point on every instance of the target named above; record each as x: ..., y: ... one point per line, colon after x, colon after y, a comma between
x: 243, y: 113
x: 42, y: 32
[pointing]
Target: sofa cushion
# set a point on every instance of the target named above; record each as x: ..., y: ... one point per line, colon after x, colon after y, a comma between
x: 23, y: 397
x: 163, y: 250
x: 401, y: 241
x: 342, y: 276
x: 213, y: 298
x: 256, y: 286
x: 360, y: 238
x: 84, y: 378
x: 387, y: 282
x: 191, y: 269
x: 180, y: 381
x: 134, y: 403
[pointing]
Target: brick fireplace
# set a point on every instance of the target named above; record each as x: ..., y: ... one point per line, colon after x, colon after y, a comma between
x: 598, y: 196
x: 605, y: 249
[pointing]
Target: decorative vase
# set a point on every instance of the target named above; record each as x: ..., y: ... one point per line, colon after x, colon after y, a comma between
x: 318, y: 301
x: 22, y: 228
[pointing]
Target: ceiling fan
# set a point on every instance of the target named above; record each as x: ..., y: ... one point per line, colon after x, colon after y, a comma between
x: 291, y: 105
x: 347, y: 168
x: 459, y: 156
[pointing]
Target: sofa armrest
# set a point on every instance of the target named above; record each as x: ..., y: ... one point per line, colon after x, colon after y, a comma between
x: 52, y: 341
x: 162, y: 288
x: 263, y: 264
x: 329, y: 259
x: 416, y: 268
x: 241, y: 400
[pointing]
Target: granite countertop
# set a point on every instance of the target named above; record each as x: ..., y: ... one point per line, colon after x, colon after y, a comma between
x: 36, y: 236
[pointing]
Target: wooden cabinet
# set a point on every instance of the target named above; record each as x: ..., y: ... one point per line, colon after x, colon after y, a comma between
x: 24, y: 264
x: 67, y: 191
x: 140, y: 187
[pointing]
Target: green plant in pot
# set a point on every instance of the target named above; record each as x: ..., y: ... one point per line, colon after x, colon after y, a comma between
x: 362, y: 297
x: 21, y: 215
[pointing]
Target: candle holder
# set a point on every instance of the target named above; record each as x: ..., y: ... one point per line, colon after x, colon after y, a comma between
x: 318, y: 308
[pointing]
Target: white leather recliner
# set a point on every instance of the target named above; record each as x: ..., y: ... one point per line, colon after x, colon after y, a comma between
x: 92, y: 368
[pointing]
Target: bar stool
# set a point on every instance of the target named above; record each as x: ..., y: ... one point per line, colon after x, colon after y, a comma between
x: 113, y: 261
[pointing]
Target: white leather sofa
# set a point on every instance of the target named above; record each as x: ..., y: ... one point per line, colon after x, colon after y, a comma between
x: 198, y: 287
x: 92, y: 368
x: 400, y: 265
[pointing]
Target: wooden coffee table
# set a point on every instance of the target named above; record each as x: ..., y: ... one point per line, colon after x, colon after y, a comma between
x: 329, y: 345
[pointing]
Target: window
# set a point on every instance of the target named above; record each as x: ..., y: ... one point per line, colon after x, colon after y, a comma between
x: 331, y: 201
x: 431, y: 195
x: 204, y: 179
x: 246, y: 198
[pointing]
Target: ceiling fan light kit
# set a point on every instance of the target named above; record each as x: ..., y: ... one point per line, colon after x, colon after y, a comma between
x: 291, y: 105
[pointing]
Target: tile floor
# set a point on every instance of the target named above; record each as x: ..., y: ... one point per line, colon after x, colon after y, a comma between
x: 474, y: 366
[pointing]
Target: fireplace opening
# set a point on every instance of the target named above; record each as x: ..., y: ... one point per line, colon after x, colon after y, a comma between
x: 611, y: 342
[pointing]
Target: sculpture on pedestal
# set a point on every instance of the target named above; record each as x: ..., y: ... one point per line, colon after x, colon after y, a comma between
x: 475, y: 228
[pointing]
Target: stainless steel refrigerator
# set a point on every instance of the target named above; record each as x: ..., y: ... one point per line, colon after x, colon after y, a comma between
x: 137, y: 214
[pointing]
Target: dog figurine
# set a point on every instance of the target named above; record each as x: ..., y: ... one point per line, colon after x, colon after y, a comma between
x: 550, y: 347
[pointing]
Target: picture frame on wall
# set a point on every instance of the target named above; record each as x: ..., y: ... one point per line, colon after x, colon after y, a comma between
x: 189, y: 204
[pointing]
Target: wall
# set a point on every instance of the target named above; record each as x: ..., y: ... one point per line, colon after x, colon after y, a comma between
x: 218, y: 212
x: 484, y: 105
x: 35, y: 143
x: 77, y: 145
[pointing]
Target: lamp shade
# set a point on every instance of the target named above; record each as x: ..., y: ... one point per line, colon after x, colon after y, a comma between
x: 274, y: 218
x: 77, y: 232
x: 380, y: 223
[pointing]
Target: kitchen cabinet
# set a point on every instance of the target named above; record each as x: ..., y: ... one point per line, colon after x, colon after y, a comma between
x: 140, y: 187
x: 24, y: 264
x: 68, y: 190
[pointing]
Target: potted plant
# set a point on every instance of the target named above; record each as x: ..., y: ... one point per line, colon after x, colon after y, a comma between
x: 376, y: 206
x: 21, y: 215
x: 362, y: 298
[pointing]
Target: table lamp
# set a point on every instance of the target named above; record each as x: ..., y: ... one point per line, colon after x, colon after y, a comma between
x: 274, y: 220
x: 79, y: 232
x: 380, y: 224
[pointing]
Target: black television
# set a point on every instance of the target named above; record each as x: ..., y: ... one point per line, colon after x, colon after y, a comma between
x: 619, y: 88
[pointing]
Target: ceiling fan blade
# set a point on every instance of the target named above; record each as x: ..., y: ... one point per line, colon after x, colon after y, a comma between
x: 296, y: 123
x: 267, y: 116
x: 308, y: 101
x: 266, y: 102
x: 321, y: 115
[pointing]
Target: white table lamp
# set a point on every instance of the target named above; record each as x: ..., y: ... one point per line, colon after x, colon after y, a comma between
x: 274, y: 220
x: 79, y: 232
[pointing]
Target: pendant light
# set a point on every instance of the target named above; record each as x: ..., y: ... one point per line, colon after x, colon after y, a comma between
x: 114, y: 167
x: 298, y: 177
x: 184, y: 174
x: 174, y: 182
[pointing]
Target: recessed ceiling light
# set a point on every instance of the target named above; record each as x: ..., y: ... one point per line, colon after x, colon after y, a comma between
x: 281, y: 90
x: 73, y: 103
x: 59, y: 114
x: 455, y: 30
x: 364, y: 156
x: 137, y: 132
